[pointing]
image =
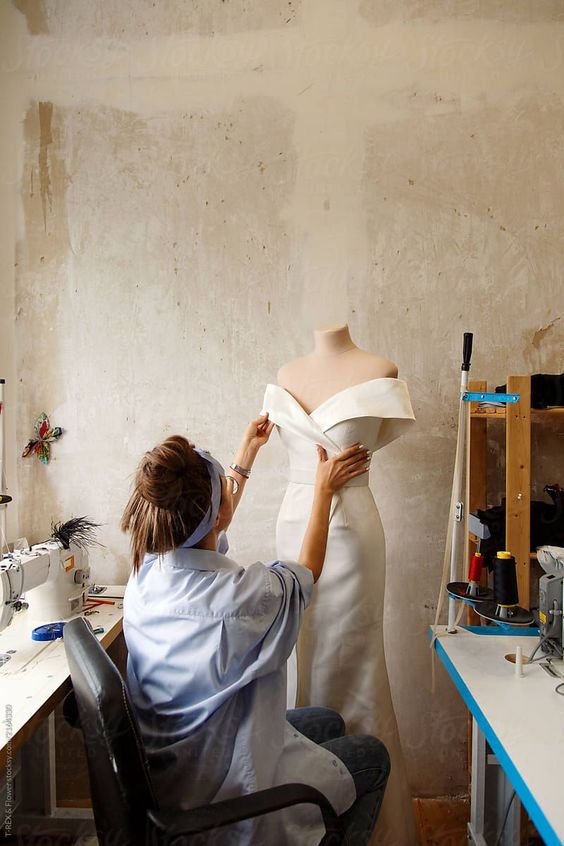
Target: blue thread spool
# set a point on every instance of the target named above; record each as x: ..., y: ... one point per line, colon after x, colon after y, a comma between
x: 50, y: 631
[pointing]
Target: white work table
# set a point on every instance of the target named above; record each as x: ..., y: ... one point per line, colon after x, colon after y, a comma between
x: 522, y: 719
x: 33, y: 681
x: 36, y: 677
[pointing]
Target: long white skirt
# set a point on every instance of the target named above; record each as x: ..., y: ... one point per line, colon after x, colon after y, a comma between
x: 340, y: 653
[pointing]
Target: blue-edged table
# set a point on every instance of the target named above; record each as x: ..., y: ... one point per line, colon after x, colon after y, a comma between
x: 518, y: 726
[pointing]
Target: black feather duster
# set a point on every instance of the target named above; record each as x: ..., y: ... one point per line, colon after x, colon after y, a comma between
x: 78, y: 530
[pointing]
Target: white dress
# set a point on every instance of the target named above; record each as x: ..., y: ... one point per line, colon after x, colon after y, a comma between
x: 340, y: 652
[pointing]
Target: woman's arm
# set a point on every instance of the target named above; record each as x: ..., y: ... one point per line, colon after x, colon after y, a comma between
x: 332, y: 474
x: 256, y: 435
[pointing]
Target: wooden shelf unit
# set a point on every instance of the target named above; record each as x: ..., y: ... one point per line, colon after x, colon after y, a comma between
x: 517, y: 417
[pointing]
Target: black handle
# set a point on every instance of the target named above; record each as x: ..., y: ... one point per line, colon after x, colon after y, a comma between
x: 467, y: 350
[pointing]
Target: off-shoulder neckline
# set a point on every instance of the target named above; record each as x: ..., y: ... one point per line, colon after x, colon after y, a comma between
x: 333, y: 397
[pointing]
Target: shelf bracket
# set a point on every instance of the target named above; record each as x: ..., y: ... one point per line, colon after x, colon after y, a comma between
x: 477, y: 396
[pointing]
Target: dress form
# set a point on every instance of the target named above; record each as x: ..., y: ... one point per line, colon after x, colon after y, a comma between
x: 338, y: 395
x: 334, y: 364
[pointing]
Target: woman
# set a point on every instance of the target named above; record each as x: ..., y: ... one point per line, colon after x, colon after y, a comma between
x: 208, y: 642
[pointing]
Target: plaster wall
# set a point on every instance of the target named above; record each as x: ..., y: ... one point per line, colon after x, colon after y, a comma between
x: 189, y: 188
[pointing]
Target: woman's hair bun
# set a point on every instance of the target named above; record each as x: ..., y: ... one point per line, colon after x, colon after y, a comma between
x: 171, y: 494
x: 169, y: 472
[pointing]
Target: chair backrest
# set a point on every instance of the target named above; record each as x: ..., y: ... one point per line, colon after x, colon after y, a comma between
x: 119, y: 777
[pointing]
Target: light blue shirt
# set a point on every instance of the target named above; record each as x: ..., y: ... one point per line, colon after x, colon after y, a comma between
x: 208, y: 642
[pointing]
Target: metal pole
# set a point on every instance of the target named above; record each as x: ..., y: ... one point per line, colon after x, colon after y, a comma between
x: 458, y: 480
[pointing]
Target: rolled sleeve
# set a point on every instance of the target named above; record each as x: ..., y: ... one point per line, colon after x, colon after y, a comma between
x: 286, y: 594
x: 298, y: 573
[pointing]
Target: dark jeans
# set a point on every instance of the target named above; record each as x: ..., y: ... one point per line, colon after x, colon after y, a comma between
x: 365, y: 757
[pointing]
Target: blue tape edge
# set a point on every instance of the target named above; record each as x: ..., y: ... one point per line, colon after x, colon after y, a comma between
x: 543, y: 826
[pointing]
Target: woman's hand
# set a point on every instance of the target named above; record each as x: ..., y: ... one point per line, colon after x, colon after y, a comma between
x: 258, y: 432
x: 254, y: 437
x: 333, y: 473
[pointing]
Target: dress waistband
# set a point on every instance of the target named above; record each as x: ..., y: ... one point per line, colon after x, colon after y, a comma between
x: 307, y: 477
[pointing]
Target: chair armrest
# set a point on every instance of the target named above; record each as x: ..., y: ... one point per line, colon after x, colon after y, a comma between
x: 244, y: 807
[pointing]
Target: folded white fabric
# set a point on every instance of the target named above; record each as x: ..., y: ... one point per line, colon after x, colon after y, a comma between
x: 551, y: 559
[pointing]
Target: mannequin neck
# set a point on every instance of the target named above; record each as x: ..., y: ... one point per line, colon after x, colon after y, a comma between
x: 333, y: 340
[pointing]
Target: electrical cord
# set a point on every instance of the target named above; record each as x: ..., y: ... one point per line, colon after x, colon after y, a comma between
x: 544, y: 639
x: 558, y: 649
x: 559, y: 687
x: 498, y: 841
x: 536, y: 649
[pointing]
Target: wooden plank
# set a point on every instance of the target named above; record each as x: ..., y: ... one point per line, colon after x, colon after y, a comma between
x: 491, y: 413
x: 476, y: 497
x: 476, y: 474
x: 477, y: 455
x: 518, y: 482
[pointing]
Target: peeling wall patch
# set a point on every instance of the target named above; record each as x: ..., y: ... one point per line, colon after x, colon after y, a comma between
x: 45, y: 139
x: 538, y: 336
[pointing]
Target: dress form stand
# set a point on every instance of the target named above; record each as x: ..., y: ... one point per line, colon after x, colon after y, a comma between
x: 334, y: 364
x: 336, y: 395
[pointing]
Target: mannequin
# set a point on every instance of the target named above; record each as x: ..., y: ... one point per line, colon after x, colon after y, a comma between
x: 336, y: 363
x: 336, y: 396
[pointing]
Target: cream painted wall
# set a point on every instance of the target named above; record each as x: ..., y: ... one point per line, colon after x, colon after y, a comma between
x: 189, y: 188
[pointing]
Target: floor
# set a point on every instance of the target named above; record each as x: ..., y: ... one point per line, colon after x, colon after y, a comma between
x: 441, y: 822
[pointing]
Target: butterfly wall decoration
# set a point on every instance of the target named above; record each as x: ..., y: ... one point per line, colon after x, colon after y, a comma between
x: 44, y: 437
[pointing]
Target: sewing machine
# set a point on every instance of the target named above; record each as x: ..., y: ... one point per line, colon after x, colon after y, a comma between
x: 57, y: 576
x: 551, y: 599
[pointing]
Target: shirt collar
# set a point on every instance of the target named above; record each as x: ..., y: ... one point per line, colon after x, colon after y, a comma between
x: 190, y: 558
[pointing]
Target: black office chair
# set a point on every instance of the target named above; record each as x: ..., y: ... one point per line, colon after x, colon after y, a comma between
x: 126, y: 811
